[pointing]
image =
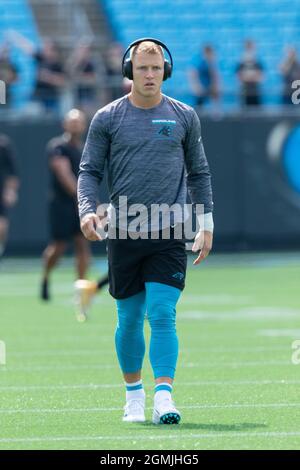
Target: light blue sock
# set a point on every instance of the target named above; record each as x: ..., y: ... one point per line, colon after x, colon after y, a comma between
x: 161, y: 301
x: 129, y: 336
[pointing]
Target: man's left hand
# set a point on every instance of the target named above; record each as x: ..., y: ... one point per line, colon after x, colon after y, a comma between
x: 203, y: 242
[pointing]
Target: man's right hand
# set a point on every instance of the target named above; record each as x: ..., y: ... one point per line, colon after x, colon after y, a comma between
x: 88, y: 225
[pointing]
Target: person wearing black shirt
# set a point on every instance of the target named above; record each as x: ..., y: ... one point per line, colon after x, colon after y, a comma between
x: 64, y: 154
x: 9, y: 184
x: 50, y: 76
x: 250, y: 74
x: 82, y: 71
x: 114, y: 55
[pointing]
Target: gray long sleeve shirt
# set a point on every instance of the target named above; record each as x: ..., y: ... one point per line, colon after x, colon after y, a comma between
x: 153, y: 156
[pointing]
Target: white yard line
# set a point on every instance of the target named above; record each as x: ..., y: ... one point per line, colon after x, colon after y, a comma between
x: 220, y: 299
x: 148, y: 438
x: 119, y: 409
x: 282, y: 332
x: 30, y: 388
x: 79, y: 351
x: 42, y: 368
x: 206, y: 364
x: 209, y: 364
x: 247, y: 313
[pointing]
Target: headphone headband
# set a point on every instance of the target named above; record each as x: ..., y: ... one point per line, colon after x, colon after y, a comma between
x: 138, y: 41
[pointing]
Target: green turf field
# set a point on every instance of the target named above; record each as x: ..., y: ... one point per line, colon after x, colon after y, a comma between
x: 236, y: 385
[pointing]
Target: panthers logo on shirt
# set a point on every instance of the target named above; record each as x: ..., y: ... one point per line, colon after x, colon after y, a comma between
x: 165, y: 130
x: 164, y: 127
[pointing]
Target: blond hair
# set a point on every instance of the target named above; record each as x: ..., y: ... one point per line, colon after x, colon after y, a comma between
x: 147, y: 46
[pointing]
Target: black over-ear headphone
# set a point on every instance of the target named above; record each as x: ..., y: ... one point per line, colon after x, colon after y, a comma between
x: 127, y: 64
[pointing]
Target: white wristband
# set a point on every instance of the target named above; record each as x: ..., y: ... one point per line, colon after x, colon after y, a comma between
x: 206, y: 222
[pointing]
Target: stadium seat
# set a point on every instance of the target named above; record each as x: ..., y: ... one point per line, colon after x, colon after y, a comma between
x: 187, y: 24
x: 17, y: 15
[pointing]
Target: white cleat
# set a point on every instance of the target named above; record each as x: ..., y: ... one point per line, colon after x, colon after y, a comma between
x: 85, y: 291
x: 134, y: 411
x: 164, y: 412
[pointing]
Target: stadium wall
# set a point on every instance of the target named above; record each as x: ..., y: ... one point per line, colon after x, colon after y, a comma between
x: 257, y: 200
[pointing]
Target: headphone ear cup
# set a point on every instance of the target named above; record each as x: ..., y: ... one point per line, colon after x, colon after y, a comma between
x: 167, y: 70
x: 127, y: 69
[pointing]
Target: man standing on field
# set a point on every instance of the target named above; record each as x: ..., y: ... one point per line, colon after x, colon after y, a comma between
x: 153, y: 149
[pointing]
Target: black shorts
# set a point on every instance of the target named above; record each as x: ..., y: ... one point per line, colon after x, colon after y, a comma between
x: 64, y: 220
x: 134, y: 262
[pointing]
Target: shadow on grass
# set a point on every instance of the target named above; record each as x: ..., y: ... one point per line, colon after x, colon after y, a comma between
x: 206, y: 427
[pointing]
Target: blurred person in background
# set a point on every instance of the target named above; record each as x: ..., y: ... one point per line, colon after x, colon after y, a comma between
x: 50, y: 75
x: 250, y: 75
x: 82, y: 71
x: 9, y: 185
x: 85, y: 292
x: 113, y: 61
x: 290, y: 71
x: 64, y: 154
x: 8, y: 71
x: 204, y: 77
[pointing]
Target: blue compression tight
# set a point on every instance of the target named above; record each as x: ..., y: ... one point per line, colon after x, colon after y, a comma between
x: 160, y: 302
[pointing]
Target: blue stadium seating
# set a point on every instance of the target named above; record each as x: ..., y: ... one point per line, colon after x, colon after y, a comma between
x: 184, y: 25
x: 17, y: 15
x: 187, y: 24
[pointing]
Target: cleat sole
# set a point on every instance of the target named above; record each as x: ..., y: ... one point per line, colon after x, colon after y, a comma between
x: 170, y: 418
